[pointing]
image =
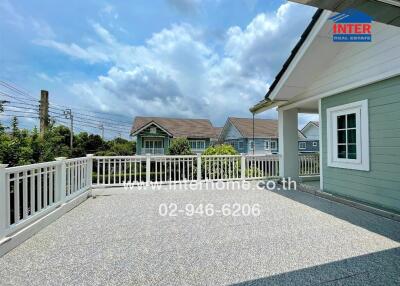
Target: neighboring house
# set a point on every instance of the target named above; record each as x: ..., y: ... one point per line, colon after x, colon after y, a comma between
x: 355, y: 89
x: 310, y: 143
x: 217, y: 133
x: 238, y: 132
x: 154, y: 134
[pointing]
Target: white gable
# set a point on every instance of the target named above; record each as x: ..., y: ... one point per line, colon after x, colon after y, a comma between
x: 311, y: 131
x: 323, y: 67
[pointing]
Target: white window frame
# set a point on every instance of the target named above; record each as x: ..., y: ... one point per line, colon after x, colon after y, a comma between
x: 315, y: 144
x: 267, y: 145
x: 251, y: 145
x: 360, y: 108
x: 153, y: 130
x: 276, y: 145
x: 301, y: 144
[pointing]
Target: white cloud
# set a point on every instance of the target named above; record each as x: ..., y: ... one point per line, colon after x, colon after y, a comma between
x: 10, y: 15
x: 176, y: 73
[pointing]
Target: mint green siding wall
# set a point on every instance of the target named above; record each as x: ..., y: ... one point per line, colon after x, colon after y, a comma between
x: 381, y: 185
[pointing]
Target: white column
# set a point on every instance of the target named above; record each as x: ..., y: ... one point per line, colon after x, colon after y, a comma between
x: 3, y: 200
x: 148, y: 165
x: 90, y: 170
x: 243, y: 166
x: 61, y: 180
x: 288, y: 144
x: 198, y: 167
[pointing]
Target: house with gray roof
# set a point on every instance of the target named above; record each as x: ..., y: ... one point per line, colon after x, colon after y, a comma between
x: 238, y: 132
x: 154, y: 134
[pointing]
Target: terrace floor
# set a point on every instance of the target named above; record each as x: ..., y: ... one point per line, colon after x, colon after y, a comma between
x: 119, y: 238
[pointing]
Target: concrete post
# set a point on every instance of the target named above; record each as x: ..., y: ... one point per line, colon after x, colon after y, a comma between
x: 198, y: 167
x: 148, y: 165
x: 44, y: 111
x: 61, y: 180
x: 243, y: 166
x: 90, y: 170
x: 3, y: 200
x: 288, y: 144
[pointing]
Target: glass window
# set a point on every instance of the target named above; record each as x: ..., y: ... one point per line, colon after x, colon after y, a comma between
x: 197, y: 144
x: 273, y: 145
x: 347, y: 127
x: 266, y: 144
x: 302, y: 145
x: 346, y: 138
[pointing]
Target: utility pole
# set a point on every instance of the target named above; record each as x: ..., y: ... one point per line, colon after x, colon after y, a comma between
x: 101, y: 126
x: 68, y: 115
x: 44, y: 111
x: 254, y: 143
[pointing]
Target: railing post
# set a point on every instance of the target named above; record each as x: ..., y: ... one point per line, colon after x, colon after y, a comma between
x: 61, y: 180
x: 90, y: 170
x: 3, y: 200
x: 198, y: 167
x: 243, y: 166
x: 148, y: 169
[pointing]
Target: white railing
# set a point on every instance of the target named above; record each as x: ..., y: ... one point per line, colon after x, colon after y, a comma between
x: 116, y: 171
x: 29, y: 192
x: 222, y: 167
x: 265, y: 166
x: 152, y: 151
x: 309, y: 165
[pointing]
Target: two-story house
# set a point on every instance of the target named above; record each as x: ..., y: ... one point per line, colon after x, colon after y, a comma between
x: 154, y: 134
x: 310, y: 143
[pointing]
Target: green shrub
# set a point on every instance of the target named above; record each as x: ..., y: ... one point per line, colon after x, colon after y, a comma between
x: 180, y: 146
x: 222, y: 149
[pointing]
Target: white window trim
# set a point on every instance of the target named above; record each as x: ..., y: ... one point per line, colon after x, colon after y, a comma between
x: 315, y: 144
x: 360, y: 108
x: 302, y: 148
x: 267, y: 142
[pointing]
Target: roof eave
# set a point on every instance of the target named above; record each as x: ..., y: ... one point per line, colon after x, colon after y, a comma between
x: 266, y: 104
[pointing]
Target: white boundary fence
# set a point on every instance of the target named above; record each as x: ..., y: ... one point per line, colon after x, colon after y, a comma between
x: 118, y: 170
x: 28, y: 193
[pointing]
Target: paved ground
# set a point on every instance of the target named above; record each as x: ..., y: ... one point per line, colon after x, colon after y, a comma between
x: 121, y: 240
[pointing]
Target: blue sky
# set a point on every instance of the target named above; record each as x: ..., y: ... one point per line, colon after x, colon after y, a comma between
x: 179, y: 58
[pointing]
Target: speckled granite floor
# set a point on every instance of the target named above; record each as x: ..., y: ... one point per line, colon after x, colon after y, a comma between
x: 119, y: 238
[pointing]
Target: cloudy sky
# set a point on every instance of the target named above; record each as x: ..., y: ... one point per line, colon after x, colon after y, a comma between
x: 178, y: 58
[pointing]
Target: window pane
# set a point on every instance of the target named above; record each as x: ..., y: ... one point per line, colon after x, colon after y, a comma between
x: 351, y: 120
x: 341, y: 137
x: 341, y: 122
x: 351, y: 136
x: 352, y: 152
x: 342, y: 151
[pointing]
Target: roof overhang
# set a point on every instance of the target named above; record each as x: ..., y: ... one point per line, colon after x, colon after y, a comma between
x: 383, y: 11
x: 266, y: 104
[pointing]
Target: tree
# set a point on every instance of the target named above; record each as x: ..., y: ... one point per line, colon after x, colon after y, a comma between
x: 180, y: 146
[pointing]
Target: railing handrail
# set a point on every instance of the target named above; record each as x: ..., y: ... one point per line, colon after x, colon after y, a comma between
x: 32, y: 167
